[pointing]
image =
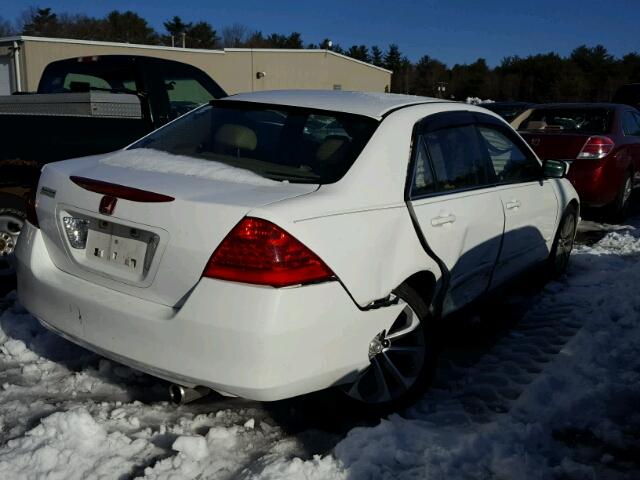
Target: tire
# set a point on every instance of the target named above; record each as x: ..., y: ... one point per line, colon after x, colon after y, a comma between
x: 402, y: 364
x: 558, y: 260
x: 11, y: 222
x: 619, y: 209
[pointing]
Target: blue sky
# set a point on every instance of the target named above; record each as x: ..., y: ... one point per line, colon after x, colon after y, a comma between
x: 454, y: 31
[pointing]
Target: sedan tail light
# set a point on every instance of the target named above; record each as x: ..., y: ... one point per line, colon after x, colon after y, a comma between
x: 596, y: 148
x: 257, y: 251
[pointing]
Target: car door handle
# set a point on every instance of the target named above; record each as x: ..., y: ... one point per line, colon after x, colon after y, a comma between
x: 442, y: 220
x: 512, y: 204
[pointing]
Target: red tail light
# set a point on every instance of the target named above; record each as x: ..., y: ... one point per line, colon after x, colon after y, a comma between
x: 32, y: 216
x: 257, y: 251
x: 596, y: 148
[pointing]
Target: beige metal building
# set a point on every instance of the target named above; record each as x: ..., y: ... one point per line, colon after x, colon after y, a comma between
x: 22, y: 60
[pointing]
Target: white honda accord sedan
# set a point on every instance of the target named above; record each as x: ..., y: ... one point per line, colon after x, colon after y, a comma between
x: 277, y: 243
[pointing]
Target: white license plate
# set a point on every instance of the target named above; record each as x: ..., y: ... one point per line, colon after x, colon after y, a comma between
x: 123, y: 247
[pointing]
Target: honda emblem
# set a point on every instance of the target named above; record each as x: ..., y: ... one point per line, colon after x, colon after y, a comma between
x: 535, y: 142
x: 108, y: 205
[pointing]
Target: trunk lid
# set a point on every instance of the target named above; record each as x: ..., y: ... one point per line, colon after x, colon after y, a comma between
x: 152, y: 249
x: 555, y: 146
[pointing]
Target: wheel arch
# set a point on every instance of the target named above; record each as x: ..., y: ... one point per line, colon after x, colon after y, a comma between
x: 9, y: 200
x: 424, y: 284
x: 575, y: 204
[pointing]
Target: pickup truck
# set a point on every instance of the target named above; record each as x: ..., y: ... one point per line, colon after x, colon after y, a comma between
x: 86, y: 106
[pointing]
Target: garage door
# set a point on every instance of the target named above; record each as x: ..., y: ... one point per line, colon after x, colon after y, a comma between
x: 5, y: 76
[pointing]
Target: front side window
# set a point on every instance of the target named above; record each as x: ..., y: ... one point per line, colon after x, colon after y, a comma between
x: 186, y: 87
x: 185, y: 94
x: 457, y: 159
x: 510, y: 163
x: 278, y: 142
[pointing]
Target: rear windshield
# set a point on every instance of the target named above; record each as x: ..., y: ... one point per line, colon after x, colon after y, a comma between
x: 508, y: 112
x: 277, y: 142
x: 569, y: 120
x: 70, y: 77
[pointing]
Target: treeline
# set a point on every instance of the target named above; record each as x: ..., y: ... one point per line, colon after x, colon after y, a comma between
x: 587, y: 74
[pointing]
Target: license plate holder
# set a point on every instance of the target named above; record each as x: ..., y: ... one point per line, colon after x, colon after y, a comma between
x: 125, y: 248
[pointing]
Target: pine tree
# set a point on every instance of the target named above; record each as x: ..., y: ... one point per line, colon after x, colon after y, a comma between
x: 359, y: 52
x: 129, y: 27
x: 596, y: 64
x: 427, y: 74
x: 176, y: 27
x: 392, y: 57
x: 376, y: 56
x: 202, y: 35
x: 394, y: 61
x: 41, y: 22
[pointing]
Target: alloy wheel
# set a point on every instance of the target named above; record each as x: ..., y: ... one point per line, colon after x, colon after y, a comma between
x: 565, y: 241
x: 396, y: 359
x: 626, y: 193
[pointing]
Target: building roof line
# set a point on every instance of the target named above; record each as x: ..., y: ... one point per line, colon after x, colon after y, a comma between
x: 106, y: 44
x: 308, y: 50
x: 18, y: 38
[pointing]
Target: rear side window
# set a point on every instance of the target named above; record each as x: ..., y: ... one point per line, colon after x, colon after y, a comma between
x: 510, y: 163
x: 630, y: 124
x: 423, y: 182
x: 457, y: 158
x: 278, y: 142
x: 568, y: 120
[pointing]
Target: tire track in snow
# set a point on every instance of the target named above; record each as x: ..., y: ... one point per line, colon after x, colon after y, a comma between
x: 539, y: 325
x: 489, y: 385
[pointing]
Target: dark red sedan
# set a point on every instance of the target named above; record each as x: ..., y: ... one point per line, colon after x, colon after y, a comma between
x: 601, y: 141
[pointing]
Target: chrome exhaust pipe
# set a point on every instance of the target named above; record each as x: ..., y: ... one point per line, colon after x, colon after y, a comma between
x: 181, y: 395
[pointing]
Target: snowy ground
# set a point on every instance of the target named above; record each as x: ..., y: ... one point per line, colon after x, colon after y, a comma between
x: 543, y: 383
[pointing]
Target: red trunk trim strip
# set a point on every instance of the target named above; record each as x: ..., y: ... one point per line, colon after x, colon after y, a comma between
x: 120, y: 191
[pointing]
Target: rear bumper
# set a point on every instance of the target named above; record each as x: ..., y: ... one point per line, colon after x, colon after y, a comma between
x: 255, y: 342
x: 596, y: 181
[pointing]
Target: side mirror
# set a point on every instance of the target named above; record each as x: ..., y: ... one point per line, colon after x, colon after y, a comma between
x: 555, y: 168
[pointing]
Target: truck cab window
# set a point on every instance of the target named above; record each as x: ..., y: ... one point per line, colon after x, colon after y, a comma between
x: 74, y: 82
x: 90, y: 76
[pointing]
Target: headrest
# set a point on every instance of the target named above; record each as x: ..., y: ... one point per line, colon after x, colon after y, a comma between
x: 236, y: 136
x: 79, y: 86
x: 330, y: 147
x: 536, y: 125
